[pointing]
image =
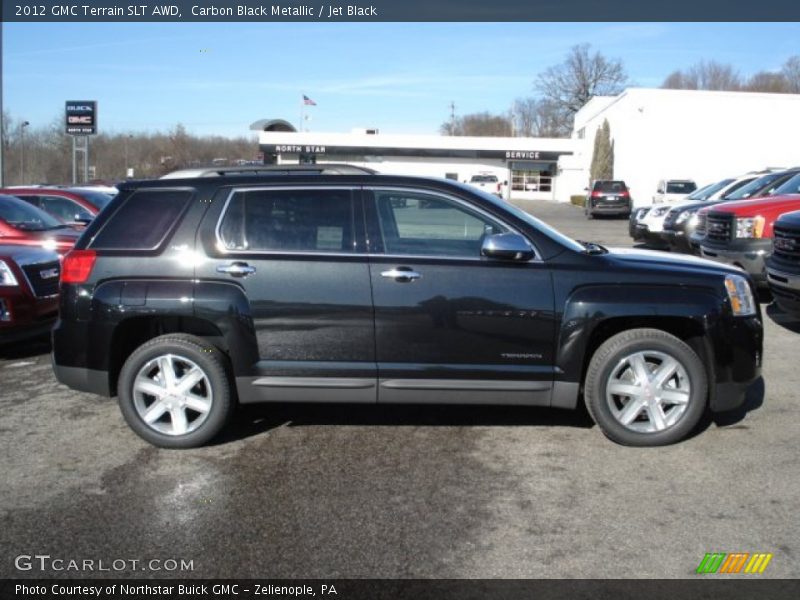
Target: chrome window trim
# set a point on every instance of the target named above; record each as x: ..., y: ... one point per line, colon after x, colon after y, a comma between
x: 370, y: 188
x: 257, y: 188
x: 260, y: 188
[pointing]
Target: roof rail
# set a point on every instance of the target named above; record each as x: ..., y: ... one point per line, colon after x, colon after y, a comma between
x: 321, y: 169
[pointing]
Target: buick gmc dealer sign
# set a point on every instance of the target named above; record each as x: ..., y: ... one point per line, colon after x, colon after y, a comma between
x: 81, y: 117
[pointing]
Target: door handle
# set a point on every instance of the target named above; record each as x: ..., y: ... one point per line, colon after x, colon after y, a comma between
x: 237, y: 269
x: 401, y: 274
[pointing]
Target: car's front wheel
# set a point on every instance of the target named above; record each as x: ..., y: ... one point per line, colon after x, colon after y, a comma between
x: 174, y: 391
x: 645, y: 387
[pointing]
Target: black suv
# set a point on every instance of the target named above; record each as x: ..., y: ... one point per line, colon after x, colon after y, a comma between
x: 607, y: 197
x: 783, y: 266
x: 186, y: 296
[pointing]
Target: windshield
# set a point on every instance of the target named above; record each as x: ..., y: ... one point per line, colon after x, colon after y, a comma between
x: 792, y: 186
x: 541, y: 226
x: 98, y: 199
x: 704, y: 193
x: 23, y: 216
x: 609, y: 186
x: 755, y: 187
x: 484, y: 179
x: 681, y: 187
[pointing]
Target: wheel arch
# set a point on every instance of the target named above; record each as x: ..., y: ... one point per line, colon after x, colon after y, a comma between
x: 593, y: 314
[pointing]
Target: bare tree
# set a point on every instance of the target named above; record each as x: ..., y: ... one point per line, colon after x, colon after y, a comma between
x: 534, y: 117
x: 705, y: 75
x: 791, y: 72
x: 765, y: 81
x: 478, y: 124
x: 582, y: 75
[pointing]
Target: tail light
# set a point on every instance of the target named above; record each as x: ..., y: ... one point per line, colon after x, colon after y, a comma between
x: 625, y: 194
x: 77, y: 266
x: 596, y: 194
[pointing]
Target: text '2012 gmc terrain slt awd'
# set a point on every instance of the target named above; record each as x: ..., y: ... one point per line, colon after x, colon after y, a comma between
x: 186, y: 296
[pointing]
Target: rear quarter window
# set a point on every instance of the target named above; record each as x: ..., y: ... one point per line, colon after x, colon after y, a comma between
x: 143, y: 221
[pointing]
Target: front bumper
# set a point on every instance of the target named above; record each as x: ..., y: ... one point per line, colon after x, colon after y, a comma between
x: 785, y: 288
x: 749, y: 255
x: 24, y: 316
x: 738, y: 351
x: 676, y: 240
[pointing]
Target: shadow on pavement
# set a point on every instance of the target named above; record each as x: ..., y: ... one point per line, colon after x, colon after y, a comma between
x: 255, y: 419
x: 26, y: 349
x: 753, y: 401
x: 783, y: 319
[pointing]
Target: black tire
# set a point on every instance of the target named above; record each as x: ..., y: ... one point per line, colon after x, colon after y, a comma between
x: 608, y: 357
x: 209, y: 359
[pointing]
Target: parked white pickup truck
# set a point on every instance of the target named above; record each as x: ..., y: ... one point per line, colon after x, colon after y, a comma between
x: 490, y: 183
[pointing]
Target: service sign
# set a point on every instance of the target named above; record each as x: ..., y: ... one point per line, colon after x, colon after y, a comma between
x: 81, y: 117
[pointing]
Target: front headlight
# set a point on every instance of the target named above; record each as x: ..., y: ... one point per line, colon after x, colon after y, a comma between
x: 750, y: 227
x: 6, y: 275
x: 683, y: 216
x: 741, y: 296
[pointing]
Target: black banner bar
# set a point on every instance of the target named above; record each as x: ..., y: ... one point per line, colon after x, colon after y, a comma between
x: 395, y: 10
x: 736, y: 588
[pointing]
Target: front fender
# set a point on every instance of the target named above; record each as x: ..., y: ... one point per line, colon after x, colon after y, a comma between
x: 587, y: 307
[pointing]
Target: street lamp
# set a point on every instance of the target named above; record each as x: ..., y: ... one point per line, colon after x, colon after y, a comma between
x: 125, y: 139
x: 22, y: 127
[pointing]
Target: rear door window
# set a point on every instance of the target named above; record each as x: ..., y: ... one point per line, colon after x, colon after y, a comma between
x: 289, y: 220
x: 143, y: 221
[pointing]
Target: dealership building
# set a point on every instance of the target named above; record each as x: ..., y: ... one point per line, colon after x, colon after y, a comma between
x: 657, y: 134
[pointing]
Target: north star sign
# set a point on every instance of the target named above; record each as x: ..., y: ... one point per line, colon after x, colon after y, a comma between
x: 288, y: 149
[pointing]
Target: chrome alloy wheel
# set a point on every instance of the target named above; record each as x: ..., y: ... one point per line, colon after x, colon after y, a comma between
x: 172, y: 394
x: 648, y: 391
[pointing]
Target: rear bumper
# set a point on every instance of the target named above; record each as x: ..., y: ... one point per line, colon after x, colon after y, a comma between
x: 610, y: 209
x: 81, y: 379
x: 750, y: 256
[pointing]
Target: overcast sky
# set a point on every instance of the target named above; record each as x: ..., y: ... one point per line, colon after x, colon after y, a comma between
x: 401, y: 78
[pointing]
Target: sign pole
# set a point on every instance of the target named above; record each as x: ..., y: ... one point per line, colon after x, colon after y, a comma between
x: 86, y: 161
x: 74, y: 160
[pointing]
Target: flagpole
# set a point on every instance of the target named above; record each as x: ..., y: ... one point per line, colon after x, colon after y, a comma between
x: 302, y: 113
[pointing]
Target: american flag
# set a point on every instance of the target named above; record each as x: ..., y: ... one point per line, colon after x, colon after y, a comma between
x: 308, y: 101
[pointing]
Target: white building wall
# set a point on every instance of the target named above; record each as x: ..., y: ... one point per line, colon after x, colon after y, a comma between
x: 674, y: 134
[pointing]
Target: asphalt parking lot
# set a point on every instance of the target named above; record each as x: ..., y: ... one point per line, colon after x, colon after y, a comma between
x: 361, y: 492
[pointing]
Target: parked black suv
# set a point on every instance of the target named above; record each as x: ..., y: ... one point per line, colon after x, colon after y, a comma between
x: 783, y: 266
x: 186, y: 296
x: 608, y: 197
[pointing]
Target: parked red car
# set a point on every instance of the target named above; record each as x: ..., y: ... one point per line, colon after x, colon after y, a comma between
x: 24, y: 224
x: 740, y: 233
x: 28, y: 291
x: 73, y: 206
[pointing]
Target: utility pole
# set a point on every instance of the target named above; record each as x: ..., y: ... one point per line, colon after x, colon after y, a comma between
x: 22, y: 127
x: 452, y: 118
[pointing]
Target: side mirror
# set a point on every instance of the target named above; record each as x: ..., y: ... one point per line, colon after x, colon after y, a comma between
x: 585, y: 189
x: 507, y: 246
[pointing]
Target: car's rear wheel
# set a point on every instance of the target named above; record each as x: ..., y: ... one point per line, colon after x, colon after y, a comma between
x: 174, y: 391
x: 646, y: 387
